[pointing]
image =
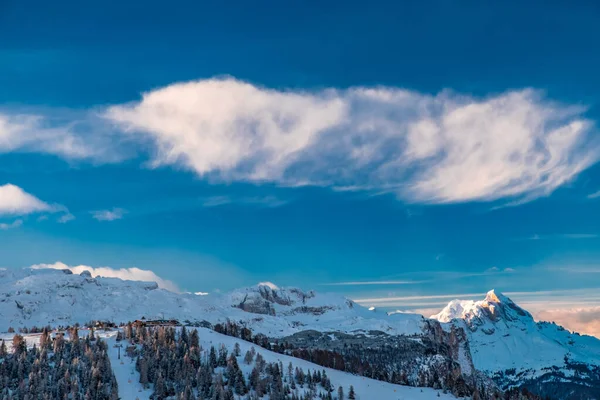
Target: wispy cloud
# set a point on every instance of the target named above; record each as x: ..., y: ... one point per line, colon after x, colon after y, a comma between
x: 584, y: 320
x: 15, y: 224
x: 72, y: 135
x: 264, y: 201
x: 516, y: 144
x: 442, y: 148
x: 576, y: 269
x: 132, y: 274
x: 368, y: 283
x: 109, y: 215
x: 63, y: 219
x: 496, y: 270
x: 575, y: 309
x: 529, y: 297
x: 427, y: 276
x: 400, y: 300
x: 594, y: 195
x: 556, y: 236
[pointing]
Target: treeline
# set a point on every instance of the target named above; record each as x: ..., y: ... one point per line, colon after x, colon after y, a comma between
x: 179, y: 368
x: 393, y: 364
x: 403, y: 366
x: 74, y: 369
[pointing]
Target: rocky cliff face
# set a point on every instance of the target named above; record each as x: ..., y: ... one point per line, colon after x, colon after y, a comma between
x: 434, y: 358
x: 510, y: 347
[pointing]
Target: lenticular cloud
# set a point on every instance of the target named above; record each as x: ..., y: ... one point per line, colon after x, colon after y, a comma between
x: 437, y: 149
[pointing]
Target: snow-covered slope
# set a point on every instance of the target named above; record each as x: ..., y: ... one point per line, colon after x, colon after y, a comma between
x: 53, y: 297
x: 31, y: 297
x: 508, y: 344
x: 365, y: 388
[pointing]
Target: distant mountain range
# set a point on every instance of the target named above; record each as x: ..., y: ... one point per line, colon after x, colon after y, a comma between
x: 480, y: 349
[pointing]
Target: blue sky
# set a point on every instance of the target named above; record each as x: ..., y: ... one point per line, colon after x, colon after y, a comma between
x: 384, y: 151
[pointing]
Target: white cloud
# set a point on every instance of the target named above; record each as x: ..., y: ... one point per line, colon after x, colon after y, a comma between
x: 131, y: 274
x: 15, y: 201
x: 496, y: 270
x: 582, y: 319
x: 201, y: 293
x: 67, y: 134
x: 15, y: 224
x: 109, y: 215
x: 594, y: 195
x: 408, y: 300
x: 369, y: 283
x: 560, y: 236
x: 437, y: 149
x: 63, y: 219
x: 259, y: 201
x: 425, y: 148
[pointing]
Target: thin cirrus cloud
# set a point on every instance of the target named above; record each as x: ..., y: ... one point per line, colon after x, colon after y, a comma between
x: 131, y: 274
x: 109, y: 215
x: 63, y: 219
x: 556, y: 236
x: 258, y: 201
x: 442, y: 148
x: 594, y: 195
x: 430, y: 276
x: 15, y: 224
x: 575, y: 309
x: 370, y: 283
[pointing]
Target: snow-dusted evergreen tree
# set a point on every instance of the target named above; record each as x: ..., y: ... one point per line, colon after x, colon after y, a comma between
x: 66, y: 369
x: 174, y: 364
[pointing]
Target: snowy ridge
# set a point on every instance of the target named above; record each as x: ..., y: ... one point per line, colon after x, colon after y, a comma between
x: 493, y: 335
x: 54, y: 297
x: 31, y: 297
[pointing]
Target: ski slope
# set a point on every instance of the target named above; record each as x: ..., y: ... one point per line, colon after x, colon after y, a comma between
x: 365, y: 388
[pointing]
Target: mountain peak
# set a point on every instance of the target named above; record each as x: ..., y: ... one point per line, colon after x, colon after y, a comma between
x: 495, y: 296
x: 495, y: 307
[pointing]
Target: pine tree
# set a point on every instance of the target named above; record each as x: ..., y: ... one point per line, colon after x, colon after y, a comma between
x: 143, y: 372
x: 351, y: 394
x: 248, y: 357
x: 19, y: 345
x: 213, y: 357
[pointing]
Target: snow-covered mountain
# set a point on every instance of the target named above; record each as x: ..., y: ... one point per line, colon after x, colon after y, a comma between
x: 510, y: 346
x: 426, y: 355
x: 493, y: 335
x: 31, y: 297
